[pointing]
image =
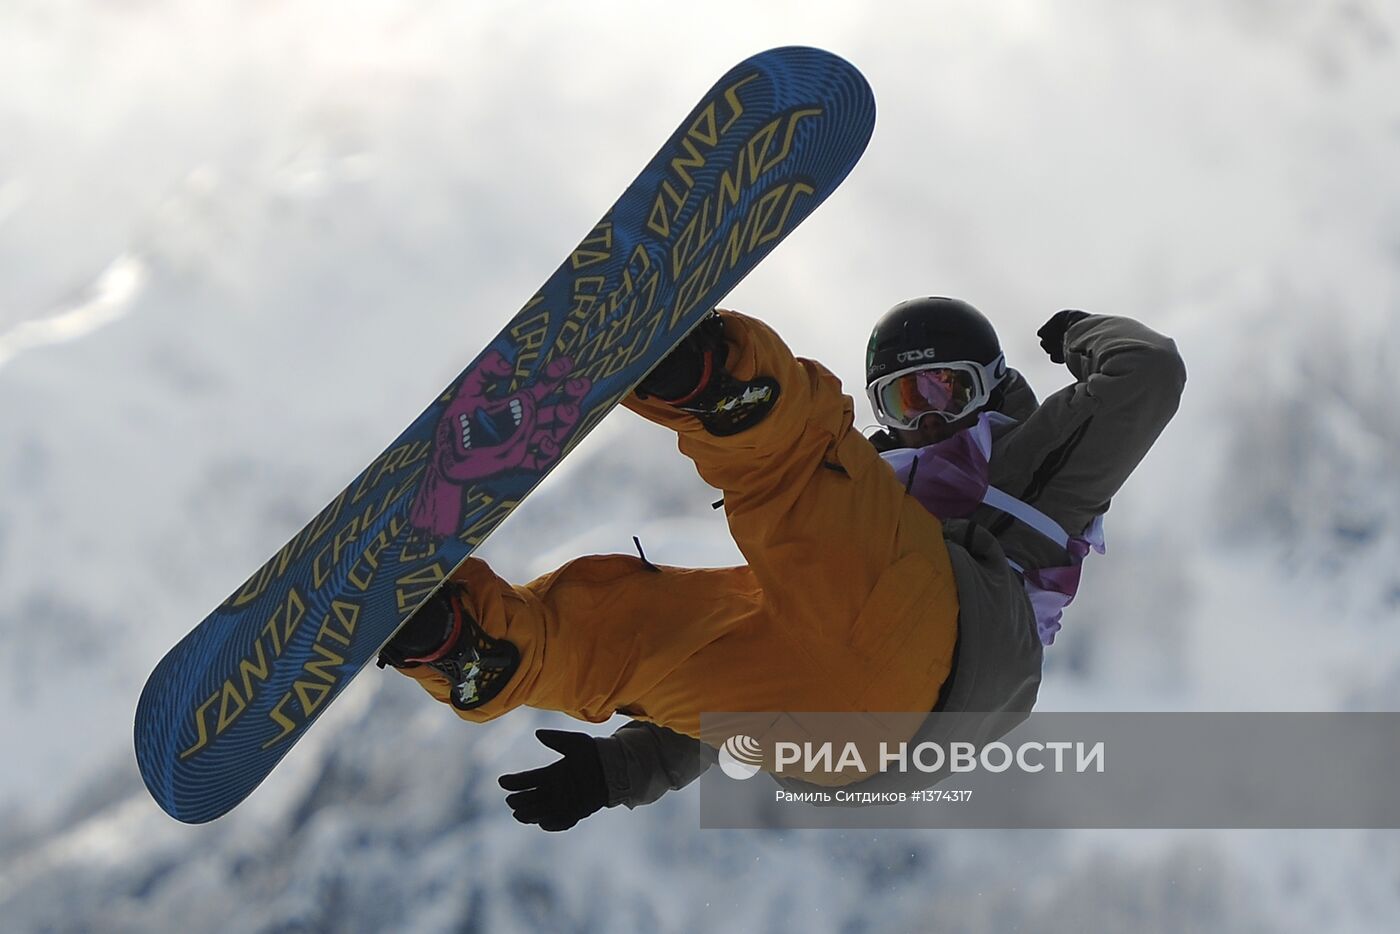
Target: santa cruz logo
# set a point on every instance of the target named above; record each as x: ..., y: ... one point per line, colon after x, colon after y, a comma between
x: 740, y: 756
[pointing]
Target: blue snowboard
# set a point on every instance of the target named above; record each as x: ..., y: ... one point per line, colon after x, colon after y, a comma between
x: 763, y: 148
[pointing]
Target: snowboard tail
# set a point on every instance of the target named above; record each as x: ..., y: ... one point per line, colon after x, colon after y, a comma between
x: 768, y: 143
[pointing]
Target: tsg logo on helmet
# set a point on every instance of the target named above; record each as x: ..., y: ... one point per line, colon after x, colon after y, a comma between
x: 911, y: 356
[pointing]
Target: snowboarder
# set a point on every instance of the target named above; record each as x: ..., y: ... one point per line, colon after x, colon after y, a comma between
x: 921, y: 569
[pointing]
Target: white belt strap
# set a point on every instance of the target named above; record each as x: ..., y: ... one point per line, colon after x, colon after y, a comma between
x: 1028, y: 514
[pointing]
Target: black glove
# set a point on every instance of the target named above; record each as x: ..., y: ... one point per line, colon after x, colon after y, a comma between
x: 560, y: 794
x: 1052, y: 333
x: 425, y: 632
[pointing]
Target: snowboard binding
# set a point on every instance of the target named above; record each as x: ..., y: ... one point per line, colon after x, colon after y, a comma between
x: 446, y: 638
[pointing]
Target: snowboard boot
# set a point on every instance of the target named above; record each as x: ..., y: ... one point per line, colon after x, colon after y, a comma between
x: 693, y: 379
x: 445, y: 637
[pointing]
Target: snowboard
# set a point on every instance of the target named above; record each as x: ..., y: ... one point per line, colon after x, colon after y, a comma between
x: 766, y: 145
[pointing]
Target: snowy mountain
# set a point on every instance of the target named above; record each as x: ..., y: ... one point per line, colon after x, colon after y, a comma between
x: 241, y: 246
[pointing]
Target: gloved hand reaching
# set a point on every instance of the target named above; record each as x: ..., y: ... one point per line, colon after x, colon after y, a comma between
x: 1052, y: 333
x: 561, y: 794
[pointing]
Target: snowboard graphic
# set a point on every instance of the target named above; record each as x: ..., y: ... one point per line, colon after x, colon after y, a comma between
x: 761, y: 150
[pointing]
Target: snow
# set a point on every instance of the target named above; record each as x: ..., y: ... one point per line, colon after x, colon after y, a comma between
x: 241, y: 245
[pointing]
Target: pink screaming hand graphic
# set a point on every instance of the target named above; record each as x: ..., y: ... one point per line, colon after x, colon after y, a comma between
x: 480, y: 436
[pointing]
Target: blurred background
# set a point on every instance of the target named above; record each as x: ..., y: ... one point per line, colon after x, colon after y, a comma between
x: 243, y: 244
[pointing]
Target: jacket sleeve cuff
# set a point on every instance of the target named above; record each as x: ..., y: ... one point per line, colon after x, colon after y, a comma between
x: 641, y: 762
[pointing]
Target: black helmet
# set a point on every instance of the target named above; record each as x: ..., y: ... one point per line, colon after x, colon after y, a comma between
x: 929, y: 330
x: 928, y: 333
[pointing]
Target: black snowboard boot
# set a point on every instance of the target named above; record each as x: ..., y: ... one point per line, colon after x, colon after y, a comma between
x: 445, y: 637
x: 693, y: 378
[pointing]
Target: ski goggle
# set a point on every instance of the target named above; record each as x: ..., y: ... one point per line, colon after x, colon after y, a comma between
x: 948, y: 390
